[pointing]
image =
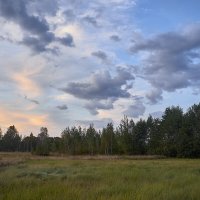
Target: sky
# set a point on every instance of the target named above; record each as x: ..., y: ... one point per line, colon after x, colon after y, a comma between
x: 76, y: 62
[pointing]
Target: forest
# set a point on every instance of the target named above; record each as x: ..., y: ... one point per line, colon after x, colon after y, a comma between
x: 175, y: 134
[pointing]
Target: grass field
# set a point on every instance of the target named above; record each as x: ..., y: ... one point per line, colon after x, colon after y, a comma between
x: 24, y: 177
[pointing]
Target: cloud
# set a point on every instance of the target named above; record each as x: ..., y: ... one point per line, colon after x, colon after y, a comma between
x: 94, y: 106
x: 154, y: 96
x: 32, y: 100
x: 117, y: 4
x: 115, y: 38
x: 62, y: 107
x: 44, y: 7
x: 43, y: 26
x: 69, y: 15
x: 26, y: 84
x: 100, y: 55
x: 90, y: 20
x: 170, y: 60
x: 67, y: 40
x: 37, y: 31
x: 101, y: 90
x: 101, y: 86
x: 35, y: 44
x: 135, y: 110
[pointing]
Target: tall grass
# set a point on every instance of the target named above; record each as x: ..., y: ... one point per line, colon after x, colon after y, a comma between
x: 49, y: 179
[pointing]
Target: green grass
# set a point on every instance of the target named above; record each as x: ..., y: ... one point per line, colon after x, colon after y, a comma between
x: 70, y: 179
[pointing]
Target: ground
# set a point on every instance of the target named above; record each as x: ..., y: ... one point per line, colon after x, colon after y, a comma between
x: 26, y: 177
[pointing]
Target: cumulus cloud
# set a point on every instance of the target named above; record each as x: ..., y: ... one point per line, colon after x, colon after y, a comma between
x: 135, y: 110
x: 37, y: 31
x: 101, y: 90
x: 62, y: 107
x: 101, y: 86
x: 171, y: 61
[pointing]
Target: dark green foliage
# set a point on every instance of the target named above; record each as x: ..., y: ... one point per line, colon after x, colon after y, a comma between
x: 28, y: 144
x: 171, y: 128
x: 176, y: 134
x: 1, y: 135
x: 11, y: 140
x: 43, y: 147
x: 92, y: 140
x: 190, y: 133
x: 73, y: 141
x: 154, y: 136
x: 124, y: 135
x: 108, y: 140
x: 140, y: 137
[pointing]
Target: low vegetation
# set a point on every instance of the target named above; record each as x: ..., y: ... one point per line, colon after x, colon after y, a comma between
x: 80, y: 178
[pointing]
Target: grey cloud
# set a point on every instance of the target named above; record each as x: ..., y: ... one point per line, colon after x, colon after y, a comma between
x: 101, y: 86
x: 6, y: 38
x: 101, y: 55
x: 135, y: 110
x: 172, y: 42
x: 137, y: 97
x: 115, y: 38
x: 67, y: 40
x: 101, y: 90
x: 41, y: 36
x: 62, y: 107
x: 154, y: 96
x: 90, y: 20
x: 172, y: 62
x: 74, y: 3
x: 43, y: 7
x: 129, y: 86
x: 32, y: 100
x: 35, y: 44
x: 93, y: 106
x: 16, y: 11
x: 69, y: 15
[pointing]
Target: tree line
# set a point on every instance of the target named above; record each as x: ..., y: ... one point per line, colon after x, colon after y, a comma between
x: 176, y: 134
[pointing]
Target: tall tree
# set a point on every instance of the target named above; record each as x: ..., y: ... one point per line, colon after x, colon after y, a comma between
x: 91, y: 139
x: 171, y: 128
x: 11, y: 140
x: 190, y: 133
x: 66, y: 138
x: 1, y: 135
x: 140, y: 137
x: 108, y: 141
x: 124, y: 136
x: 43, y: 146
x: 154, y: 136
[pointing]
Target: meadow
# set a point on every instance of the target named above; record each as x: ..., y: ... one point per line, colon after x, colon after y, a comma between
x: 26, y: 177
